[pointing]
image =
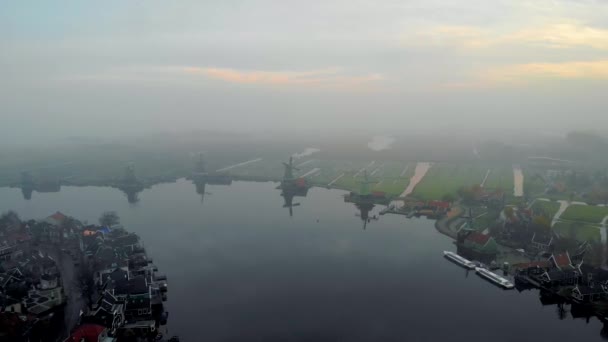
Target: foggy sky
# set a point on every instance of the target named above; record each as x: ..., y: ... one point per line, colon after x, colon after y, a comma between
x: 111, y: 68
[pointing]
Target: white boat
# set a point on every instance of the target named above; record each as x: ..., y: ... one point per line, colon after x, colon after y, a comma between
x: 459, y: 260
x: 495, y: 278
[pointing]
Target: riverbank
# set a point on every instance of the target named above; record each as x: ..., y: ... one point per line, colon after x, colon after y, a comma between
x: 451, y: 223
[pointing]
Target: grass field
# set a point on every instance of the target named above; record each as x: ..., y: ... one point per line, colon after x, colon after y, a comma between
x: 533, y: 184
x: 580, y: 231
x: 389, y: 177
x: 444, y: 179
x: 585, y: 213
x: 545, y: 208
x: 500, y: 177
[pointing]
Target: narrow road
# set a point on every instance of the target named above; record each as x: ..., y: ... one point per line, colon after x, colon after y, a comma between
x: 421, y: 169
x: 71, y: 289
x: 485, y: 178
x: 311, y: 172
x: 518, y: 181
x: 239, y: 164
x: 306, y: 162
x: 563, y: 205
x: 404, y: 170
x: 364, y: 168
x: 336, y: 179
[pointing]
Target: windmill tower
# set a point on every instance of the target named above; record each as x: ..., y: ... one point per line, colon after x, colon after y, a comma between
x: 289, y: 168
x: 365, y: 185
x: 130, y: 177
x: 199, y: 168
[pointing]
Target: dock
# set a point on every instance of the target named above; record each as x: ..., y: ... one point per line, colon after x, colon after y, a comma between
x: 494, y: 278
x: 458, y: 260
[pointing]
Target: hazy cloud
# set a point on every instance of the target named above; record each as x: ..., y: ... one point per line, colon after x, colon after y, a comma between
x: 331, y: 78
x: 560, y: 35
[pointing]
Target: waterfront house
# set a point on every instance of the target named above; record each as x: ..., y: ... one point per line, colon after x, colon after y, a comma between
x: 588, y: 294
x: 542, y: 242
x: 562, y: 261
x: 560, y: 278
x: 118, y: 277
x: 137, y: 294
x: 594, y: 274
x: 128, y: 242
x: 476, y: 246
x: 107, y: 260
x: 109, y: 312
x: 532, y: 267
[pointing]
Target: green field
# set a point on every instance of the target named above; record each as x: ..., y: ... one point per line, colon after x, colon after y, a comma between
x: 533, y: 184
x: 500, y: 177
x: 388, y: 178
x: 585, y: 213
x: 580, y: 231
x: 545, y: 208
x: 444, y: 179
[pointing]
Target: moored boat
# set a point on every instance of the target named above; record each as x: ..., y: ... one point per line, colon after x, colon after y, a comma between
x: 459, y: 260
x: 494, y: 278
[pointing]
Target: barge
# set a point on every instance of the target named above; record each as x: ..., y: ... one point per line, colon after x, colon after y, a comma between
x: 459, y: 260
x: 494, y: 278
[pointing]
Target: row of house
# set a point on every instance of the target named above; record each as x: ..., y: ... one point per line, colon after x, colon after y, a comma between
x: 567, y: 276
x: 31, y: 286
x: 130, y: 291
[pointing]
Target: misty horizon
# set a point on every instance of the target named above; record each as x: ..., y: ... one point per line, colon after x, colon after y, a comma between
x: 119, y: 69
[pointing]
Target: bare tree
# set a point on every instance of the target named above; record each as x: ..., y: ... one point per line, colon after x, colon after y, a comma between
x: 109, y: 219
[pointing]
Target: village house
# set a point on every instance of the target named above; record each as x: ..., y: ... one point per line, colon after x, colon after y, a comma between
x: 106, y: 260
x: 587, y: 294
x: 560, y: 278
x: 541, y: 243
x: 477, y: 246
x: 127, y: 242
x: 563, y: 262
x: 108, y: 312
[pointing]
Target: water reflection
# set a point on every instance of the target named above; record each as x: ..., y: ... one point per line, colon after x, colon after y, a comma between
x: 376, y: 285
x: 200, y: 177
x: 364, y: 209
x: 29, y: 184
x: 132, y: 193
x: 200, y: 189
x: 292, y: 187
x: 564, y: 309
x: 27, y: 193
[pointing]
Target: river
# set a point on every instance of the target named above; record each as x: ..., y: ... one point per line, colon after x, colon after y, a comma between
x: 241, y: 269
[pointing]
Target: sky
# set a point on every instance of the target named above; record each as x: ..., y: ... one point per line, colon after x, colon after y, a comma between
x: 112, y: 68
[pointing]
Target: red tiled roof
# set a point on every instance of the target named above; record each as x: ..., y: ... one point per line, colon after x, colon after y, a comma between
x: 562, y: 260
x: 87, y: 333
x: 478, y: 238
x: 541, y: 264
x: 58, y: 216
x: 440, y: 204
x: 378, y: 193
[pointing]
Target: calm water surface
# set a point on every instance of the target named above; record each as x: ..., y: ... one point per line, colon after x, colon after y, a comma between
x: 241, y: 269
